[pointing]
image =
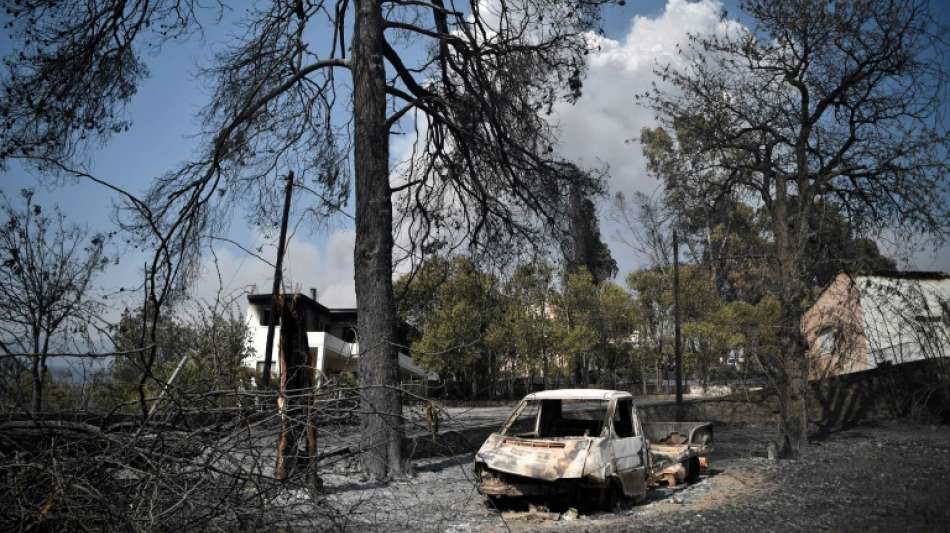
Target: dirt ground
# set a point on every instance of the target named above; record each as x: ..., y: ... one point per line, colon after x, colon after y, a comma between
x: 886, y: 477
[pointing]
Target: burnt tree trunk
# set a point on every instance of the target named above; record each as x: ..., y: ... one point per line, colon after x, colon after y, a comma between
x: 294, y: 394
x: 38, y: 371
x: 36, y: 403
x: 379, y: 398
x: 793, y: 377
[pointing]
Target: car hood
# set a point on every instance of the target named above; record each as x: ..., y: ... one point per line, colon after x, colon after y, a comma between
x: 544, y: 459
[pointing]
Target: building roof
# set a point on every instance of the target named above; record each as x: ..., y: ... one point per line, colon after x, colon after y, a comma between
x: 265, y: 299
x: 887, y: 275
x: 906, y: 274
x: 578, y: 394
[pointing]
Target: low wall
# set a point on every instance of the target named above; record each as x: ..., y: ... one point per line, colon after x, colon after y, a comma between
x: 918, y: 390
x: 744, y: 408
x: 447, y: 443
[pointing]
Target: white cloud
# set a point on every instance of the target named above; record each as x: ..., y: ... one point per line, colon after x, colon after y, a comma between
x: 327, y: 267
x: 603, y: 126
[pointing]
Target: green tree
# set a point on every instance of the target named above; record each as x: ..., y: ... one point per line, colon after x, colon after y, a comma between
x: 594, y: 326
x: 454, y: 338
x: 653, y: 296
x: 617, y: 316
x: 576, y: 315
x: 528, y: 325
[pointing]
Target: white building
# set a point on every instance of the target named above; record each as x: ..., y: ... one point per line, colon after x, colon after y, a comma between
x: 860, y: 322
x: 331, y: 339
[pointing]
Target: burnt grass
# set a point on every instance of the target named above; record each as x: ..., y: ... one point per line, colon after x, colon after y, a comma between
x: 888, y: 476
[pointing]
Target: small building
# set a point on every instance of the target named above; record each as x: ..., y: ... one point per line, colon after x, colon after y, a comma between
x: 332, y: 340
x: 860, y: 322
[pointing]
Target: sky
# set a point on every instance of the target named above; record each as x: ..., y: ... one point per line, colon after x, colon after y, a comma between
x: 598, y: 131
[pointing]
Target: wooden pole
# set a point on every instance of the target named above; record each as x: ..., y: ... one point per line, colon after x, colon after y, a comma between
x: 676, y: 321
x: 275, y: 292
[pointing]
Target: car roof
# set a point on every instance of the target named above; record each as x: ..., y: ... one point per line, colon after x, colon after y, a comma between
x: 578, y: 394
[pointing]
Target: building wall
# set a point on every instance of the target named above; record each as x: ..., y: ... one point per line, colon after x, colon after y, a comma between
x: 257, y: 339
x: 834, y: 330
x: 326, y: 334
x: 905, y: 319
x: 862, y: 322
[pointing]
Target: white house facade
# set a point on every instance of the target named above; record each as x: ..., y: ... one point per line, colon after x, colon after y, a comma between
x: 332, y: 340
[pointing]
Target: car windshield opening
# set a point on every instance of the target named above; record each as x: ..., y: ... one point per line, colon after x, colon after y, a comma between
x: 557, y: 418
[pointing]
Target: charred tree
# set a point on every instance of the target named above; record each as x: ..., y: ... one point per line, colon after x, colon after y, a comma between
x: 581, y: 242
x: 379, y: 371
x: 814, y: 104
x: 46, y: 269
x: 295, y: 389
x: 473, y: 83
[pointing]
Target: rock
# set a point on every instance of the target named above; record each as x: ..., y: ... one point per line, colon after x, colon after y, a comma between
x: 771, y: 451
x: 570, y: 514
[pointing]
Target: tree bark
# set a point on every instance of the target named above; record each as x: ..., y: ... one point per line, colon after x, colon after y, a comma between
x: 793, y: 380
x: 380, y: 400
x: 39, y: 376
x: 294, y: 392
x: 36, y: 403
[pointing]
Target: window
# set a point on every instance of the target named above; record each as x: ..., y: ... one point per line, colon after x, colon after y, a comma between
x: 558, y: 418
x: 523, y: 421
x: 623, y: 419
x: 265, y: 317
x: 579, y: 418
x: 349, y: 334
x: 260, y: 370
x: 826, y: 341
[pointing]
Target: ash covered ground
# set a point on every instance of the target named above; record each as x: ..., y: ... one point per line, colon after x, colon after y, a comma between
x: 890, y: 476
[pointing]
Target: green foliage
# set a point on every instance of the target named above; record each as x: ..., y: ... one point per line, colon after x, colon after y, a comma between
x: 706, y: 335
x: 461, y: 303
x: 214, y: 341
x: 475, y: 326
x: 734, y: 239
x: 527, y: 335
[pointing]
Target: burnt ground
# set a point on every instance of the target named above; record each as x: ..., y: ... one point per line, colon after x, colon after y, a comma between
x: 890, y: 476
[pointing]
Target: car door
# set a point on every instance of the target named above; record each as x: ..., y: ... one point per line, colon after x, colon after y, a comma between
x: 629, y: 450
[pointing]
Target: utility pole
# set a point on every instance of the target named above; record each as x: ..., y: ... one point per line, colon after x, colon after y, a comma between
x: 278, y: 274
x: 676, y: 320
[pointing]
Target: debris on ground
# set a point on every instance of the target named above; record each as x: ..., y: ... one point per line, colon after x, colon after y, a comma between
x: 852, y: 480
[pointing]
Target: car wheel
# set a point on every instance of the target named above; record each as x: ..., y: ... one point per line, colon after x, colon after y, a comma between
x: 611, y: 498
x: 692, y: 470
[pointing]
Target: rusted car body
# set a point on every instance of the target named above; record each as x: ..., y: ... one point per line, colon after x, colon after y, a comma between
x: 586, y: 442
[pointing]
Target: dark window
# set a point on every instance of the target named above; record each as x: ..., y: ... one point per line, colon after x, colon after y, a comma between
x: 623, y: 419
x: 349, y: 334
x: 265, y: 318
x: 572, y: 418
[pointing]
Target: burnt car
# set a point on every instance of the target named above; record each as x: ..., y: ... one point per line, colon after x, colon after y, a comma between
x: 588, y: 446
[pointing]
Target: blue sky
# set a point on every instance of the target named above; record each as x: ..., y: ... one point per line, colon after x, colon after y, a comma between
x: 164, y: 110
